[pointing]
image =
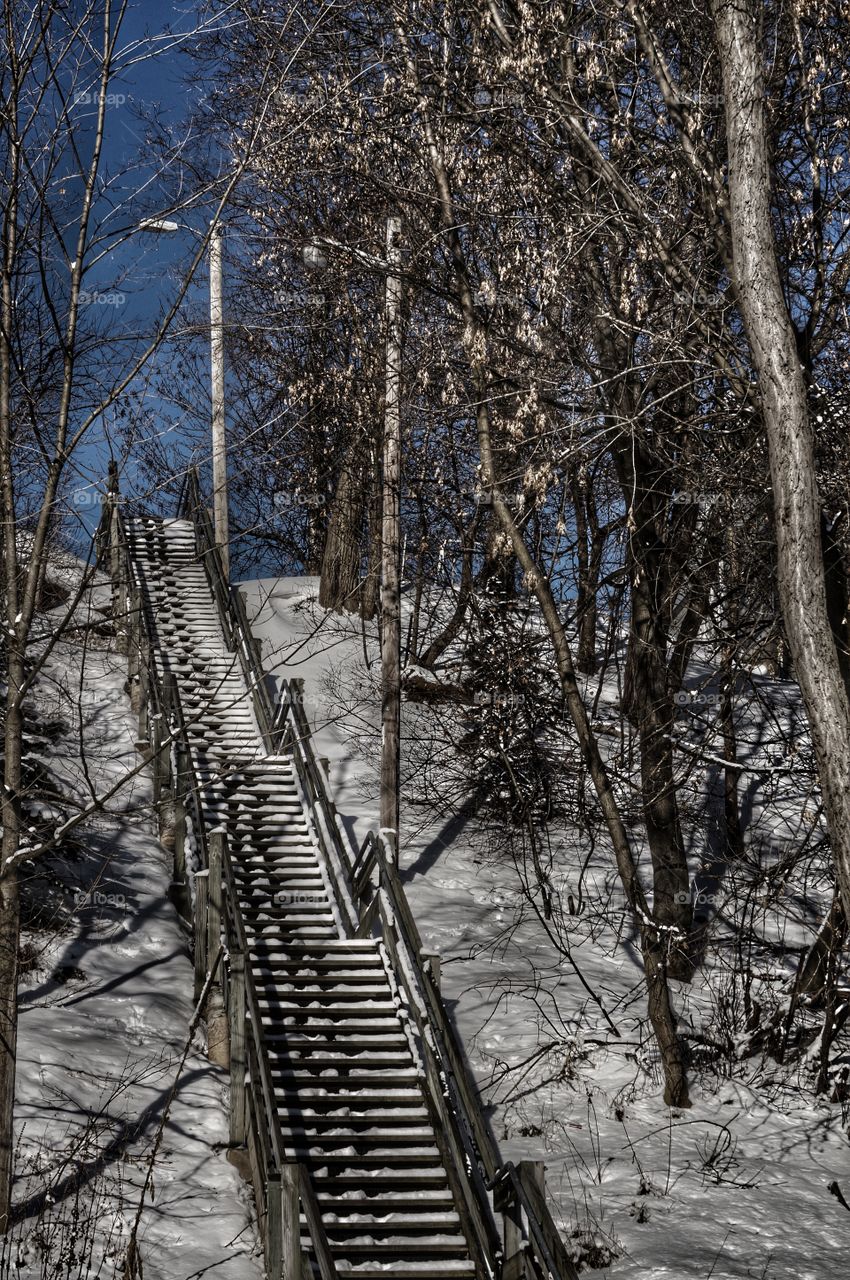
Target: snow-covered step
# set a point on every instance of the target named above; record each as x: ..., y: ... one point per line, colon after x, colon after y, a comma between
x: 348, y: 1090
x: 359, y: 1125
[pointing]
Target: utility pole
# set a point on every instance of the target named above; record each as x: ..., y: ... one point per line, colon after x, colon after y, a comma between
x: 391, y: 548
x: 219, y: 441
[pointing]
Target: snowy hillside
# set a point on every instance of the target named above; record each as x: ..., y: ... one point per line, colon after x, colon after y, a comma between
x: 737, y: 1186
x: 105, y: 1002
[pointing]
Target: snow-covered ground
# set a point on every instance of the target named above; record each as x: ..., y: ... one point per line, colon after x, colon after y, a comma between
x: 105, y: 1006
x: 737, y: 1186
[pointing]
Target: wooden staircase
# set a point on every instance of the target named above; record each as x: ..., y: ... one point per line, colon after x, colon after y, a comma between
x: 347, y: 1071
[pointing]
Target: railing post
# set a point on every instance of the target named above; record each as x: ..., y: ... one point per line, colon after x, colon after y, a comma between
x: 217, y: 1046
x: 528, y: 1171
x: 512, y: 1220
x: 297, y: 684
x: 155, y: 727
x: 116, y: 573
x: 166, y: 781
x: 181, y: 786
x: 290, y: 1185
x: 144, y: 686
x: 122, y: 637
x: 391, y: 838
x: 274, y: 1228
x: 134, y: 644
x: 236, y: 1019
x: 324, y: 765
x: 201, y: 898
x: 433, y: 959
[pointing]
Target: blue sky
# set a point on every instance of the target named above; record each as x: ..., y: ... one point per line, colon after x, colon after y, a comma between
x: 132, y: 285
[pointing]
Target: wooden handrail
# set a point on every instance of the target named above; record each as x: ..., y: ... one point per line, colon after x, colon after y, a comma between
x: 451, y: 1050
x: 451, y: 1070
x: 473, y: 1160
x: 231, y: 609
x: 544, y: 1237
x: 468, y: 1186
x: 266, y: 1129
x: 283, y: 724
x: 452, y: 1094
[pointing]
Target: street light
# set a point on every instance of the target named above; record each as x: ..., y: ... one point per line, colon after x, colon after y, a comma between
x: 219, y: 440
x: 314, y: 257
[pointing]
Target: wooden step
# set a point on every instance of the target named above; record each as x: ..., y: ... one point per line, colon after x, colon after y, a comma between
x: 386, y: 1161
x: 272, y: 1010
x: 443, y: 1223
x: 330, y: 989
x: 419, y: 1250
x: 373, y: 1206
x: 390, y: 1027
x: 335, y: 1182
x: 274, y: 954
x: 309, y: 1077
x: 371, y: 1097
x: 444, y: 1270
x: 303, y: 1121
x: 361, y: 1139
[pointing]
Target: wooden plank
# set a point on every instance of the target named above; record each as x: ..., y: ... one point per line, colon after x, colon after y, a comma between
x: 517, y: 1268
x: 216, y: 1028
x: 290, y: 1195
x: 201, y: 886
x: 434, y: 963
x: 452, y: 1052
x: 470, y: 1197
x: 216, y: 846
x: 236, y: 1013
x: 514, y: 1235
x: 367, y: 920
x: 258, y: 1171
x: 274, y: 1229
x: 542, y: 1225
x: 312, y: 1212
x: 144, y: 683
x: 133, y: 645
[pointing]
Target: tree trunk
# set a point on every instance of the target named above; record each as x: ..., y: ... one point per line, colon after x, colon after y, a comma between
x: 648, y: 703
x: 782, y: 389
x: 654, y: 937
x: 588, y: 560
x: 10, y: 924
x: 339, y: 588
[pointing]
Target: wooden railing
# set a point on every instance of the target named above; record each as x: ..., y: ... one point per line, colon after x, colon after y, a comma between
x: 531, y: 1245
x: 231, y: 608
x: 282, y: 1186
x: 283, y: 726
x: 368, y: 895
